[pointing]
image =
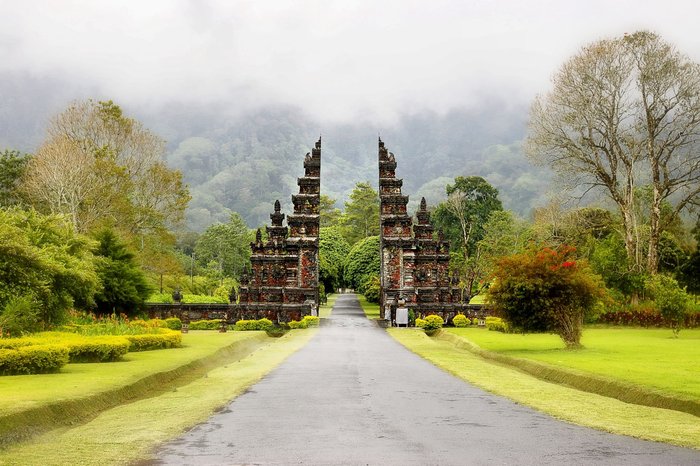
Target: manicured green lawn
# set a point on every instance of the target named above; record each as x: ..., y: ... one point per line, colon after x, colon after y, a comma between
x: 371, y: 309
x: 20, y: 392
x: 128, y: 433
x: 649, y: 357
x: 575, y: 406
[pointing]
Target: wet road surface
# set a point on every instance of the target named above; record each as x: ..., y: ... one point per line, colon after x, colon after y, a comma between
x: 355, y: 396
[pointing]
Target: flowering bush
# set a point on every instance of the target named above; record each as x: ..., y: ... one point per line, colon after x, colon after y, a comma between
x: 545, y: 290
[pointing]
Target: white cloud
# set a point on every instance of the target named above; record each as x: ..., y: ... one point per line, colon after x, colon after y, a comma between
x: 337, y: 59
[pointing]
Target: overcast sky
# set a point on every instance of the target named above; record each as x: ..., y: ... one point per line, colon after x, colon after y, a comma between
x: 336, y: 59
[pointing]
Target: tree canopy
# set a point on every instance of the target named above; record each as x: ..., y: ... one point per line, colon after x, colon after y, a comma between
x: 361, y: 216
x: 623, y: 113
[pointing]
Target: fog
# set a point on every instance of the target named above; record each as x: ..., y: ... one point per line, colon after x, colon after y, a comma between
x: 338, y: 60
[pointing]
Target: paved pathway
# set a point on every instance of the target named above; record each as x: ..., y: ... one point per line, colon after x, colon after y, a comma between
x: 355, y: 396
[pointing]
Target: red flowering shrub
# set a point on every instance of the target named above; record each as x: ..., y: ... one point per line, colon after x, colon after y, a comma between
x: 545, y: 291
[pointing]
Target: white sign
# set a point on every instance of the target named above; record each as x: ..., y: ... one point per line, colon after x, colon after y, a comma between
x: 402, y: 316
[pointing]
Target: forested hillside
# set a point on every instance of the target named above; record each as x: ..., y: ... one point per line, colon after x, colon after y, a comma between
x: 241, y: 161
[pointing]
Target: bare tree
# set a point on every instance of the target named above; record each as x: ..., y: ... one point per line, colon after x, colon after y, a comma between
x: 624, y: 113
x: 129, y: 184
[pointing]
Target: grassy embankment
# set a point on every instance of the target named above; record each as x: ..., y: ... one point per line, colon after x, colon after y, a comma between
x: 371, y: 309
x: 557, y: 399
x: 576, y: 406
x: 114, y: 413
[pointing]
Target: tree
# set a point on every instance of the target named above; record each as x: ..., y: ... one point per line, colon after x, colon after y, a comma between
x: 225, y: 247
x: 361, y: 217
x: 12, y: 167
x: 622, y: 112
x: 332, y: 251
x: 330, y: 214
x: 43, y: 260
x: 102, y: 167
x: 545, y: 291
x: 362, y: 262
x: 124, y: 286
x: 470, y: 202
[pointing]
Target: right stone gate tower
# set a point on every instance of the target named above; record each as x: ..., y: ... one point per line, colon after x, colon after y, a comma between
x: 415, y: 266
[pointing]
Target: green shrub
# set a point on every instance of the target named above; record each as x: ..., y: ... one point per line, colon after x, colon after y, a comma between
x: 153, y: 341
x: 497, y: 324
x: 204, y: 299
x: 295, y: 324
x: 311, y: 321
x: 670, y: 298
x: 165, y: 298
x: 433, y: 322
x: 460, y: 320
x: 261, y: 324
x: 33, y: 359
x: 371, y: 289
x: 213, y: 324
x: 173, y: 323
x: 420, y: 323
x: 20, y: 315
x: 97, y: 349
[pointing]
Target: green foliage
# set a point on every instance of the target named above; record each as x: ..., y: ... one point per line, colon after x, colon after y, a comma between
x: 361, y: 217
x: 224, y: 248
x: 609, y: 259
x: 689, y: 273
x: 420, y: 323
x: 19, y: 316
x: 328, y: 212
x: 545, y: 291
x: 260, y: 324
x: 124, y: 286
x: 332, y: 252
x: 203, y: 299
x: 670, y: 298
x: 97, y: 349
x: 460, y: 320
x: 33, y: 359
x: 212, y: 324
x: 305, y: 322
x: 362, y: 262
x: 470, y: 202
x: 44, y: 260
x: 432, y: 323
x: 154, y: 341
x: 12, y: 167
x: 165, y: 298
x: 497, y: 324
x: 173, y: 323
x: 371, y: 288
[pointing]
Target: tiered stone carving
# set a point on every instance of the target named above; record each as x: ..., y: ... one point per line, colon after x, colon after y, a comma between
x: 414, y: 265
x: 283, y: 281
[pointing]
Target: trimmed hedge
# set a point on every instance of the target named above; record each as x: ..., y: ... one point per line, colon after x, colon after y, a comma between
x: 306, y: 322
x: 213, y: 324
x: 645, y: 317
x: 173, y: 323
x: 260, y: 324
x: 97, y: 349
x: 497, y: 324
x: 154, y: 341
x: 460, y: 320
x: 33, y: 359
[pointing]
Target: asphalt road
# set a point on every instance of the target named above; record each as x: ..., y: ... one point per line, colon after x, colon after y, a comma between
x: 355, y: 396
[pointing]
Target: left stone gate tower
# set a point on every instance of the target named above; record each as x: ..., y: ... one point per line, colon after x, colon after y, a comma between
x: 283, y: 280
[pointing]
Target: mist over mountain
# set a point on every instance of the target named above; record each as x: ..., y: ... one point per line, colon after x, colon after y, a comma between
x: 244, y: 161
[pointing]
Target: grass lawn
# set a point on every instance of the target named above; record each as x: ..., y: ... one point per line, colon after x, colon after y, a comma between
x: 128, y: 432
x: 648, y: 357
x: 575, y: 406
x: 74, y: 381
x: 324, y: 310
x: 371, y: 309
